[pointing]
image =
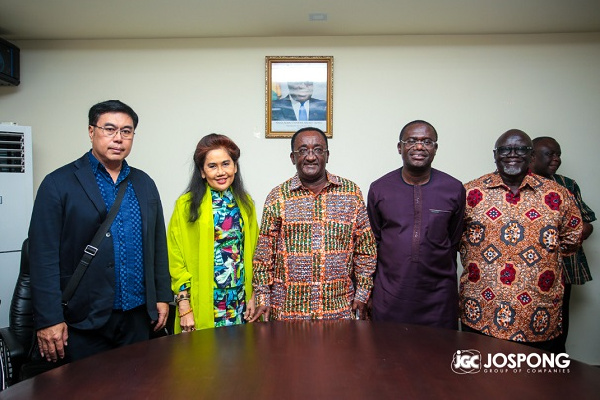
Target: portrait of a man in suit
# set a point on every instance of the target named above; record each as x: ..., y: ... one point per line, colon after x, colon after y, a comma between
x: 299, y: 105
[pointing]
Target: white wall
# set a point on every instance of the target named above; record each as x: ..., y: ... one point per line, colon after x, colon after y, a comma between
x: 471, y: 88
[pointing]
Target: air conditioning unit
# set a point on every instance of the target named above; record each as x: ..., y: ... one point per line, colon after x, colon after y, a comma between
x: 16, y: 203
x: 10, y: 67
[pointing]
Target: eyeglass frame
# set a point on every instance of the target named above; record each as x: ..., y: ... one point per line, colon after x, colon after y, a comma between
x: 308, y: 151
x: 514, y: 149
x: 421, y: 142
x: 117, y: 130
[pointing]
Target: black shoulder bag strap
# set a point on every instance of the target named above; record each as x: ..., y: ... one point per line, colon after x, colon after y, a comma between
x: 92, y: 248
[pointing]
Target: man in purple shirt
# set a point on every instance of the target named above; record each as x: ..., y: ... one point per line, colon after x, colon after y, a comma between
x: 416, y: 215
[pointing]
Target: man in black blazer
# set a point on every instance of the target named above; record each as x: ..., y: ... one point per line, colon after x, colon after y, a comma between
x: 290, y: 107
x: 125, y: 290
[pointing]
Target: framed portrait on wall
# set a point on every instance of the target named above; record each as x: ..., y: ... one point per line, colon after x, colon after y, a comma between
x: 299, y: 94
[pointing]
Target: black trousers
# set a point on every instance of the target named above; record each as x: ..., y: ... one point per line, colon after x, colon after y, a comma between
x: 122, y: 328
x: 555, y: 345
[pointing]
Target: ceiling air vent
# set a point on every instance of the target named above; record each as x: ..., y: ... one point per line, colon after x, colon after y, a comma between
x: 12, y: 152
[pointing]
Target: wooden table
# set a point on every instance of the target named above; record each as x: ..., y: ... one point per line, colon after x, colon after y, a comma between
x: 306, y: 360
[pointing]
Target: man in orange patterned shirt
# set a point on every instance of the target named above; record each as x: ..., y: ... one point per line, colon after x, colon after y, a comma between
x: 518, y: 225
x: 316, y: 252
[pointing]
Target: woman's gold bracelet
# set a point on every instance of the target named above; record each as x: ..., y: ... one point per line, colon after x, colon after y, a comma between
x: 185, y: 313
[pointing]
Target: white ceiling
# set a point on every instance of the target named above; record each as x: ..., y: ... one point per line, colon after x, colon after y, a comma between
x: 111, y: 19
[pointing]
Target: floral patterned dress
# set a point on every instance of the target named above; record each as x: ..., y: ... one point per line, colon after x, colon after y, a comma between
x: 229, y: 293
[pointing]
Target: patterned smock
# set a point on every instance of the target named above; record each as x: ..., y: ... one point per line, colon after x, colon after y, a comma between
x: 229, y: 294
x: 511, y: 250
x: 577, y: 270
x: 316, y: 253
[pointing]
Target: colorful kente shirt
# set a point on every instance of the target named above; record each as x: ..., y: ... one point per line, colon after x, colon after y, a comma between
x: 511, y: 252
x: 576, y: 270
x: 229, y: 295
x: 316, y: 253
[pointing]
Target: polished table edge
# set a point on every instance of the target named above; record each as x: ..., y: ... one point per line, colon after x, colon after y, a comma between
x: 378, y: 358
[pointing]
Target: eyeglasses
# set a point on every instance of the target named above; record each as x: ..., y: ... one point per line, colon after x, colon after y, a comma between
x: 111, y: 131
x: 519, y: 150
x: 303, y: 152
x: 410, y: 143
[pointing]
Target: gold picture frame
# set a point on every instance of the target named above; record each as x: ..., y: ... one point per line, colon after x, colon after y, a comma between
x: 290, y: 84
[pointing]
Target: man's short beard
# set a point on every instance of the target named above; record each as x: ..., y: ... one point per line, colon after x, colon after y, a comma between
x: 512, y: 170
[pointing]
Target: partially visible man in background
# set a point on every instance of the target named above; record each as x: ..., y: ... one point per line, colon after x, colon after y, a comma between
x: 546, y: 162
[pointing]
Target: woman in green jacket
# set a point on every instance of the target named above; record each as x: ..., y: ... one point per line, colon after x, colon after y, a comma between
x: 212, y: 235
